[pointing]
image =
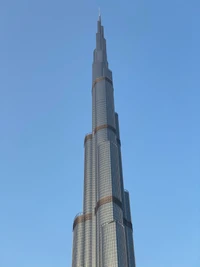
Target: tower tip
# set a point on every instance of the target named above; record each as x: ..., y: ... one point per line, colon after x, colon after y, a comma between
x: 99, y: 14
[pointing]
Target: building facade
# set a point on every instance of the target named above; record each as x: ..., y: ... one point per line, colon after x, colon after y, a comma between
x: 102, y: 233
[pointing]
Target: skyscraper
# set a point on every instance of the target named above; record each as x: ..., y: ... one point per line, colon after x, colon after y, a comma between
x: 103, y: 232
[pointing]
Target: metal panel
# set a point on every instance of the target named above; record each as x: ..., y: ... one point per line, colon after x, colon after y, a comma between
x: 87, y: 203
x: 78, y: 246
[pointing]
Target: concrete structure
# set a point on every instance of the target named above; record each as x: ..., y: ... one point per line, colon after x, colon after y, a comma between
x: 103, y: 232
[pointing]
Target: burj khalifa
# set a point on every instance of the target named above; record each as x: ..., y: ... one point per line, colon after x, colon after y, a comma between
x: 103, y: 233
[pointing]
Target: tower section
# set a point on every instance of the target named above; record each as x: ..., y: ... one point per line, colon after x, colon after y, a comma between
x: 103, y: 232
x: 110, y: 232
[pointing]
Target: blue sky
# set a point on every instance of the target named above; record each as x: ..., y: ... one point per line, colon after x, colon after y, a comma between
x: 45, y: 110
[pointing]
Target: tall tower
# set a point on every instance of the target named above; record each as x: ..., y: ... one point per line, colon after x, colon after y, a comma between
x: 103, y: 232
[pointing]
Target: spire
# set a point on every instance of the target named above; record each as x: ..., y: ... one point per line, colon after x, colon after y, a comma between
x: 99, y: 27
x: 100, y: 63
x: 99, y: 14
x: 100, y: 40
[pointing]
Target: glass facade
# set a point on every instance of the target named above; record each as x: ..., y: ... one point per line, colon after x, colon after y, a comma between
x: 103, y: 235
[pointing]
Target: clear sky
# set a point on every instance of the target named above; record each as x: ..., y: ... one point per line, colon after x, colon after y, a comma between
x: 45, y: 111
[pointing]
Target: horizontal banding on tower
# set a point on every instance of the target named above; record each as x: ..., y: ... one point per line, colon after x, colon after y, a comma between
x: 106, y: 200
x: 87, y: 137
x: 101, y: 79
x: 82, y: 218
x: 104, y: 126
